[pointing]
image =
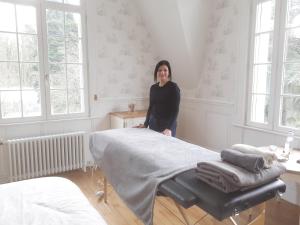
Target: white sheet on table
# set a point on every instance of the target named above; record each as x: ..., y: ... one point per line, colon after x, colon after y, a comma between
x: 46, y: 201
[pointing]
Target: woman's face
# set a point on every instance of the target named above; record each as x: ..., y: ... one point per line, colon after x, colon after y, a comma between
x: 163, y: 74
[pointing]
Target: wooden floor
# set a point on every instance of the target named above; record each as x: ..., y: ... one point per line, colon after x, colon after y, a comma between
x: 165, y: 213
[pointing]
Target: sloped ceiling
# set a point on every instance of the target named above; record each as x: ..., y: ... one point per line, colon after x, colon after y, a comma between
x: 179, y: 30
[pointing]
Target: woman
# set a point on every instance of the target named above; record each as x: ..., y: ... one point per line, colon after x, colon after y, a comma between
x: 164, y: 101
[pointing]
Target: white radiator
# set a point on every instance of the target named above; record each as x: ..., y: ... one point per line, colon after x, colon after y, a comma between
x: 46, y: 155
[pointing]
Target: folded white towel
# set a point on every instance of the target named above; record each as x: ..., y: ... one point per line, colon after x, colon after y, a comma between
x: 268, y: 156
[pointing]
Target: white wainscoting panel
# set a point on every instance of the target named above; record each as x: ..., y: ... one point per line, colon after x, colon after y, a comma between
x: 210, y: 124
x: 205, y: 123
x: 217, y: 131
x: 190, y: 125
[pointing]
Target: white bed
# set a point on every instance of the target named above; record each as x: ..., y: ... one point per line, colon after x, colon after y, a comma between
x: 46, y: 201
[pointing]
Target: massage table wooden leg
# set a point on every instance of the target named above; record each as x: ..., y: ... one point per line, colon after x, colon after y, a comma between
x: 105, y: 189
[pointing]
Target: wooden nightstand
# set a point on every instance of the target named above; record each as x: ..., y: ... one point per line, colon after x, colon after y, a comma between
x: 127, y: 119
x: 287, y: 209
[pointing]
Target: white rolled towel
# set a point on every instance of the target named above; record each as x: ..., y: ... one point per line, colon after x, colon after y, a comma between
x: 268, y: 156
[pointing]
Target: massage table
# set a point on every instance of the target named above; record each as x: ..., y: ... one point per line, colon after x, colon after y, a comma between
x: 186, y: 190
x: 140, y: 164
x: 46, y: 201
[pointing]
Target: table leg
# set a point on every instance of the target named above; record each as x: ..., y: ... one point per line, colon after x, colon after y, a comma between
x: 105, y: 189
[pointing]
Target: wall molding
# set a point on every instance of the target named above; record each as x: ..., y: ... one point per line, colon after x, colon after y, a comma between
x: 283, y: 134
x: 83, y: 118
x: 42, y: 122
x: 112, y: 99
x: 207, y: 101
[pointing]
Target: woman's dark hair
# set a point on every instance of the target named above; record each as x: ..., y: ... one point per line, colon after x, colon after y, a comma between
x: 162, y: 63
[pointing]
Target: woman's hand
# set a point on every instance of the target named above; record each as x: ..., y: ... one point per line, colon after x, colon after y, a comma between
x: 139, y: 126
x: 167, y: 132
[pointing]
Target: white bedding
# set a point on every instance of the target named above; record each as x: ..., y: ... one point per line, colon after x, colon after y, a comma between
x: 46, y: 201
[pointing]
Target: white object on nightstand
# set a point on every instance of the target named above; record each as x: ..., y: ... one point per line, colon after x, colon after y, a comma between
x: 127, y: 119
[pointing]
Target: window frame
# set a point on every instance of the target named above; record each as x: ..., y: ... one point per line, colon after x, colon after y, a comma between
x: 273, y: 122
x: 279, y: 75
x: 41, y: 6
x: 70, y: 8
x: 35, y: 4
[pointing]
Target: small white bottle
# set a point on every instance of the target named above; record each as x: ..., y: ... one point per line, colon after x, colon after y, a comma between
x: 288, y: 144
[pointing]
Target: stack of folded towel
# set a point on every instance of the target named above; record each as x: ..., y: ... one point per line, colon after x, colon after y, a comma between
x: 268, y: 156
x: 241, y: 168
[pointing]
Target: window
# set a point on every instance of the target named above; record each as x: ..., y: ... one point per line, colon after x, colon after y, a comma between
x: 65, y: 61
x: 290, y: 90
x: 42, y: 67
x: 274, y: 96
x: 19, y: 62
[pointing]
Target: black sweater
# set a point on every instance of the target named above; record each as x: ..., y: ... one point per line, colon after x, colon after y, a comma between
x: 164, y: 103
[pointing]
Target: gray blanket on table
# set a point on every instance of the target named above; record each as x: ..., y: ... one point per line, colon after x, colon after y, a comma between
x: 229, y: 178
x: 135, y: 161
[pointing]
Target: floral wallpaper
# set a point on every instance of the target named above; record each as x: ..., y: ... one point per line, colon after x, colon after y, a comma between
x: 220, y: 61
x: 126, y: 55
